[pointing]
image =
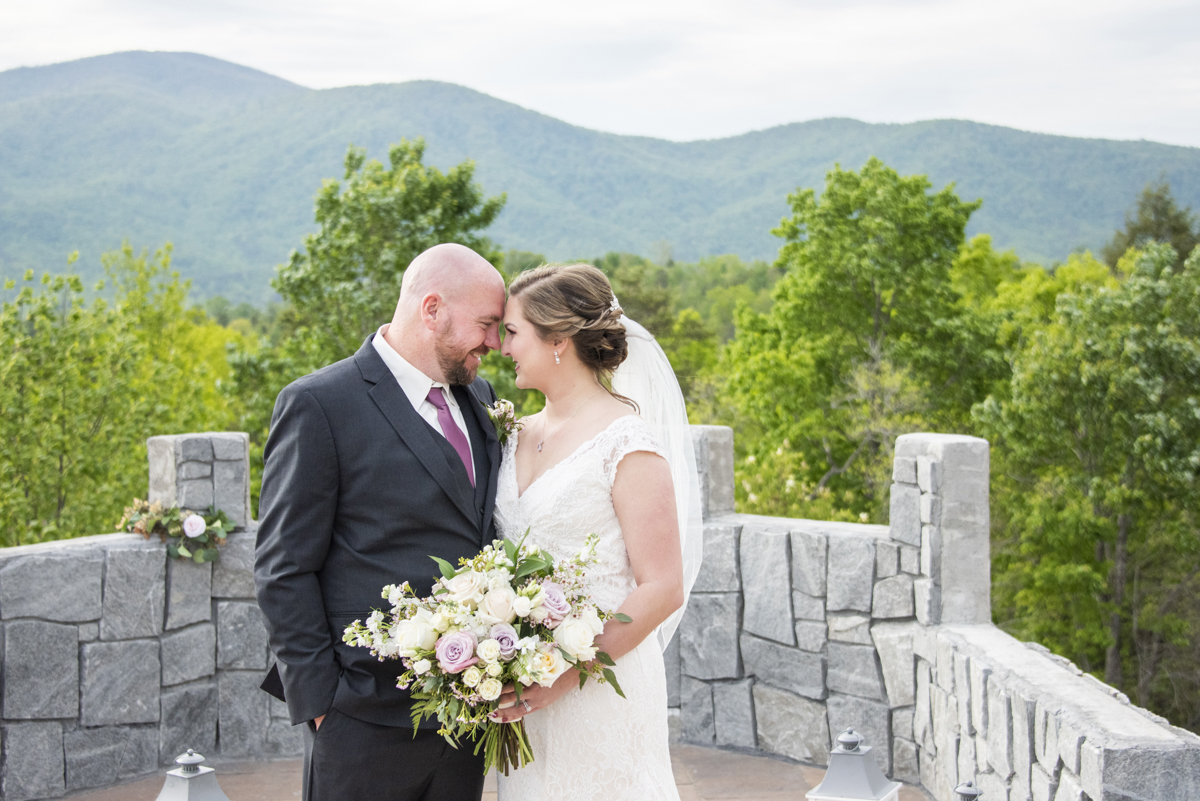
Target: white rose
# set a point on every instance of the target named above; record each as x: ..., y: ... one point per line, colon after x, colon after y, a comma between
x: 575, y: 636
x: 488, y: 651
x: 538, y: 615
x: 498, y: 604
x: 422, y: 666
x: 590, y: 616
x: 415, y: 634
x: 490, y: 689
x: 494, y: 669
x: 553, y: 665
x: 521, y: 606
x: 440, y: 621
x: 194, y: 525
x: 472, y: 676
x: 466, y: 588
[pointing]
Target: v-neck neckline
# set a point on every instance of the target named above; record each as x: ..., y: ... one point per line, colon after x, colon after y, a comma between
x: 522, y: 493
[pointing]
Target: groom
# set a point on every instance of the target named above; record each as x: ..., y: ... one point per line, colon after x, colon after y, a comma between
x: 373, y: 465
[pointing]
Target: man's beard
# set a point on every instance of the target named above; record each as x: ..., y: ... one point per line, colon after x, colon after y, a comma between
x: 453, y: 364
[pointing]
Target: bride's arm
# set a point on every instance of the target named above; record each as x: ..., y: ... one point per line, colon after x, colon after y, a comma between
x: 644, y: 500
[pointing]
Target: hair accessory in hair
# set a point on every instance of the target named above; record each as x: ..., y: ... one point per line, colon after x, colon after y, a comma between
x: 616, y: 304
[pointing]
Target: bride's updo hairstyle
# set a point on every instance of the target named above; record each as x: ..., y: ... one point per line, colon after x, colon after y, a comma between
x: 575, y: 302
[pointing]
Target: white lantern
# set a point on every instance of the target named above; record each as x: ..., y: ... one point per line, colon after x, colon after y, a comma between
x: 191, y: 781
x: 853, y: 774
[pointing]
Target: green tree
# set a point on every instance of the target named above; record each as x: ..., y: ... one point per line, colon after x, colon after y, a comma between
x: 867, y: 337
x: 1098, y: 446
x: 1155, y: 218
x: 344, y: 283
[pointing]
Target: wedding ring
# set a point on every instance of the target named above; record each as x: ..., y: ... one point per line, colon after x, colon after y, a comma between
x: 525, y: 704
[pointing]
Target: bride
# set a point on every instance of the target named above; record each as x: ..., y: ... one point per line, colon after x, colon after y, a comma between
x: 617, y: 463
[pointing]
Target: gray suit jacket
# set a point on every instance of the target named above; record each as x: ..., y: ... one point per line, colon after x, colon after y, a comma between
x: 358, y: 492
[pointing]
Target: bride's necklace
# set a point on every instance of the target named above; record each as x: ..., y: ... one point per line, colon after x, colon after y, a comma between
x: 546, y: 436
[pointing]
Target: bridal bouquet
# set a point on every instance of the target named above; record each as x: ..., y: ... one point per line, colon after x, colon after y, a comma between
x: 509, y: 615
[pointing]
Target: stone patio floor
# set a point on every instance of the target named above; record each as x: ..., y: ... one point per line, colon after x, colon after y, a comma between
x: 700, y: 774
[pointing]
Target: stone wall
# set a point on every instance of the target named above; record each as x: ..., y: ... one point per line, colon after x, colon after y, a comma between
x: 117, y: 659
x: 799, y: 629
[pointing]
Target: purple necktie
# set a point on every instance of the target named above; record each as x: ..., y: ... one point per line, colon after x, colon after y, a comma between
x: 452, y: 432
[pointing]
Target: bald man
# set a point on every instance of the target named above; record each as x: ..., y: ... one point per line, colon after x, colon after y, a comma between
x: 373, y: 465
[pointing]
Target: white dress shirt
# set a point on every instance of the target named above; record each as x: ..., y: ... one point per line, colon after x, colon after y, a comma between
x: 416, y: 386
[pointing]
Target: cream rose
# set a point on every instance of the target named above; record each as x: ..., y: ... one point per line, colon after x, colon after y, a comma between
x: 553, y: 665
x: 488, y: 651
x: 538, y: 615
x: 498, y: 605
x: 490, y: 689
x: 466, y: 588
x: 415, y: 634
x: 422, y: 666
x: 575, y: 636
x: 494, y: 669
x: 472, y: 676
x: 592, y: 618
x: 522, y: 606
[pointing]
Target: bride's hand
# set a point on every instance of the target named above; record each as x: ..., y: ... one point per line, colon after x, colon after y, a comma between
x: 533, y: 698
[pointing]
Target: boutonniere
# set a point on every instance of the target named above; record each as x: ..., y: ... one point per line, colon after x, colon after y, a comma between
x: 504, y: 418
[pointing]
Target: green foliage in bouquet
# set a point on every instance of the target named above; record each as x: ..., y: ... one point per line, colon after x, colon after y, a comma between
x: 188, y: 534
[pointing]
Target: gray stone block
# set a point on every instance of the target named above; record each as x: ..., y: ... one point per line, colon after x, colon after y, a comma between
x: 904, y: 761
x: 966, y: 758
x: 791, y: 726
x: 910, y: 560
x: 893, y: 598
x: 887, y: 559
x: 64, y: 587
x: 850, y: 575
x: 195, y: 494
x: 905, y: 514
x: 670, y: 665
x: 41, y: 670
x: 1023, y: 712
x: 943, y: 670
x: 696, y: 716
x: 231, y: 490
x: 733, y: 713
x: 999, y: 731
x: 161, y: 454
x: 89, y: 632
x: 714, y: 460
x: 120, y: 683
x: 708, y: 636
x: 927, y: 601
x: 980, y: 673
x: 931, y: 552
x: 931, y: 509
x: 189, y: 654
x: 233, y: 572
x: 286, y: 740
x: 244, y: 715
x: 850, y: 627
x: 894, y: 644
x: 279, y: 709
x: 805, y: 607
x: 191, y: 470
x: 902, y: 723
x: 674, y: 726
x: 1045, y: 736
x: 241, y: 636
x: 962, y: 685
x: 102, y: 757
x: 809, y: 552
x: 193, y: 447
x: 854, y: 670
x: 1070, y: 740
x: 811, y: 635
x: 189, y: 592
x: 904, y: 471
x: 33, y: 761
x: 929, y: 474
x: 134, y: 582
x: 766, y: 585
x: 787, y: 668
x: 869, y: 719
x: 994, y: 787
x: 1069, y: 788
x: 230, y: 446
x: 1042, y: 786
x: 189, y: 720
x: 719, y: 570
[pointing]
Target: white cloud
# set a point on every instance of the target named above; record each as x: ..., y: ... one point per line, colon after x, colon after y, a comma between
x: 698, y: 69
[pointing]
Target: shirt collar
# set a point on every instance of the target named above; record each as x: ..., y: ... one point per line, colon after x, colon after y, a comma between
x: 414, y: 383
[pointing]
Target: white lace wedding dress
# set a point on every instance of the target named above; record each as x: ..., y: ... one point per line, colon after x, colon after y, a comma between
x: 591, y: 743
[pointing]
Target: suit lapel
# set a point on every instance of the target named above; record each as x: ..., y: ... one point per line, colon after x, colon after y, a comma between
x: 479, y: 407
x: 413, y: 430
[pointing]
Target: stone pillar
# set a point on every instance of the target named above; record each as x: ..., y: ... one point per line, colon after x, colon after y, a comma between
x: 201, y: 470
x: 940, y: 502
x: 714, y: 460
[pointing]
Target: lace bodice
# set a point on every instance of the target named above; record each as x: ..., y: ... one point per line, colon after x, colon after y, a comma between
x: 591, y: 744
x: 573, y: 499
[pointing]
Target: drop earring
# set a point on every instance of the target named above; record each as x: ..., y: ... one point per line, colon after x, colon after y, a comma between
x: 556, y: 357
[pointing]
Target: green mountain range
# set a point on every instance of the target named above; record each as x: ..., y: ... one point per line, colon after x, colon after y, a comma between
x: 223, y: 161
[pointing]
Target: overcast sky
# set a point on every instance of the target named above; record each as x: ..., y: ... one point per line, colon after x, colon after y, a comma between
x: 693, y: 69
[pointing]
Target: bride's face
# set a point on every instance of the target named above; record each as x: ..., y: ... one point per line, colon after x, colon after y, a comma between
x: 533, y: 357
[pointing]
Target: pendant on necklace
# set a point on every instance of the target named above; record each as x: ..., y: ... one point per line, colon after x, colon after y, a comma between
x: 540, y: 444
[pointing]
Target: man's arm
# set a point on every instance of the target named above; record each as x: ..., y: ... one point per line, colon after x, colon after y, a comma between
x: 296, y: 513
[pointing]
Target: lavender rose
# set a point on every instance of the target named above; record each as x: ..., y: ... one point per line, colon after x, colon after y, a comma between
x: 555, y: 604
x: 506, y: 635
x: 456, y: 651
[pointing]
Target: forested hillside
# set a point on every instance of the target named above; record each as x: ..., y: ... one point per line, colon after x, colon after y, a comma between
x: 224, y: 161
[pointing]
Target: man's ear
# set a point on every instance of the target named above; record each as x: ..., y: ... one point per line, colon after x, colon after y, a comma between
x: 432, y: 309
